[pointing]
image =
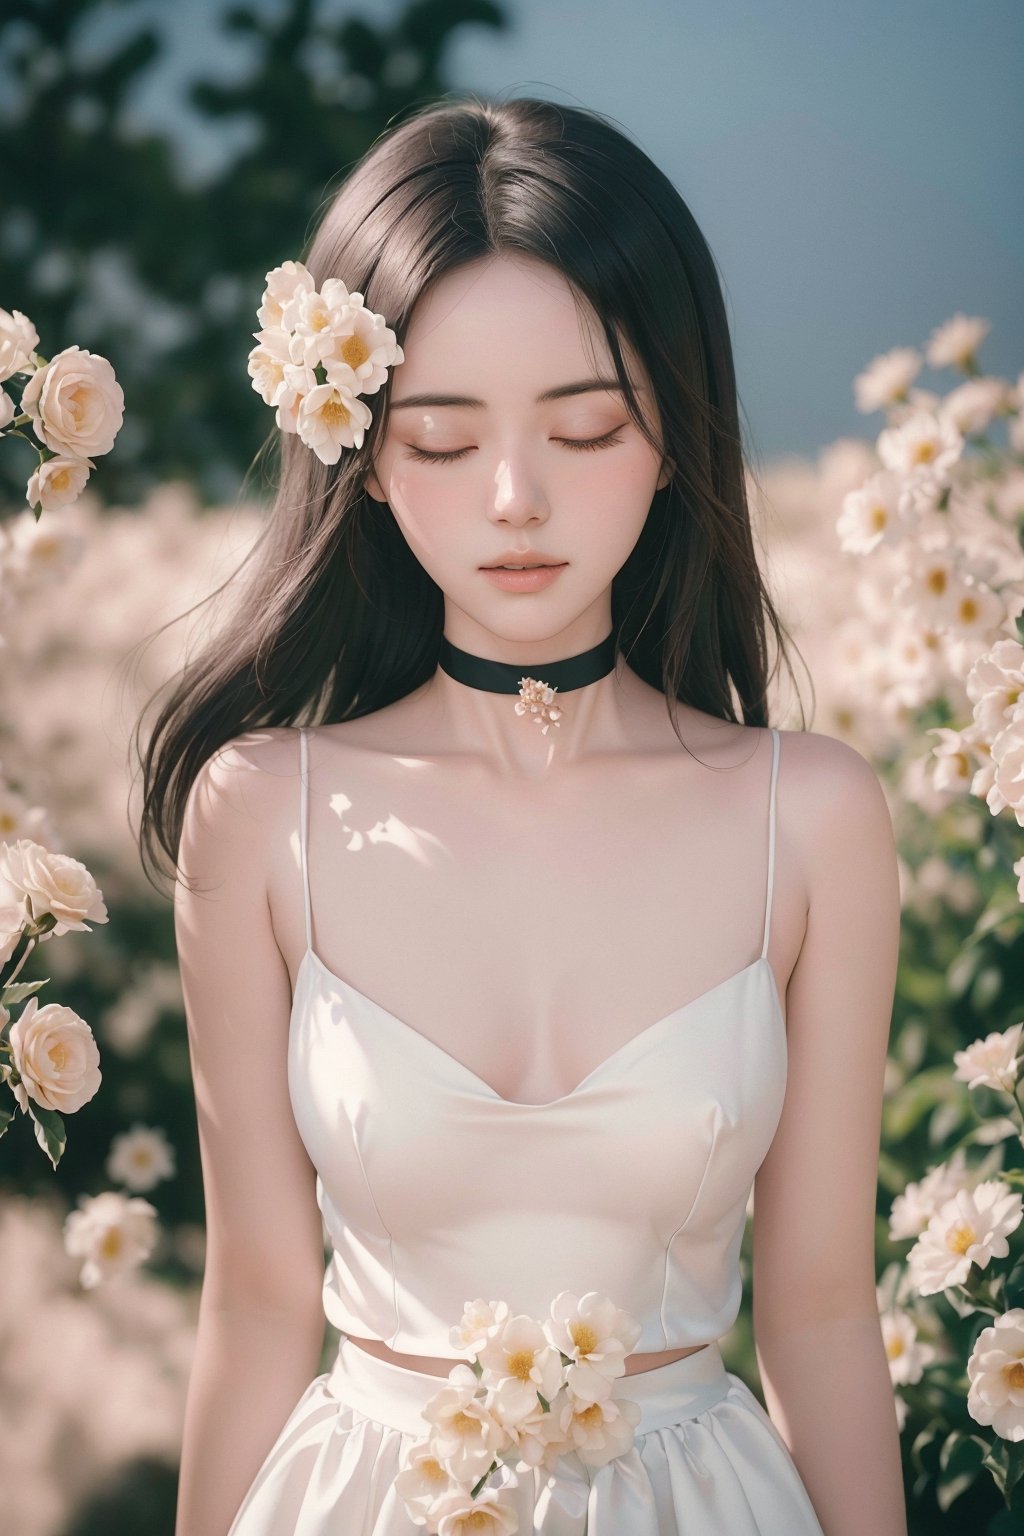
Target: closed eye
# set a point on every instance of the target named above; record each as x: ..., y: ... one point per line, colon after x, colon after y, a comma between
x: 577, y: 444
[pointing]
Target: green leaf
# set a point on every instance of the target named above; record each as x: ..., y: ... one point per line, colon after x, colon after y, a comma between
x: 960, y: 1460
x: 18, y: 991
x: 49, y: 1129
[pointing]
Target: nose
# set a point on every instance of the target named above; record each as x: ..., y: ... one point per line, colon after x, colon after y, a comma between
x: 517, y: 494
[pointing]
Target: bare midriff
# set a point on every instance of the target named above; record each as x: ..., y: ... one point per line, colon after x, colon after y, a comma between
x: 435, y: 1367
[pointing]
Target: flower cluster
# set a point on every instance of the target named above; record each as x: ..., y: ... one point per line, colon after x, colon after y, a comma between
x: 48, y: 1055
x: 73, y: 403
x: 318, y: 351
x: 535, y: 1391
x: 964, y: 1220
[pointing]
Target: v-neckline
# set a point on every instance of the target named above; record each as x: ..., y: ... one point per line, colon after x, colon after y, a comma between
x: 585, y: 1082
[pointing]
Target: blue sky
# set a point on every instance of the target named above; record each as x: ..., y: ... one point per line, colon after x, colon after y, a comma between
x: 856, y: 169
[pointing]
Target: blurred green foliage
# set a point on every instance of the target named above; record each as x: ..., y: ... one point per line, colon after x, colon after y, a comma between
x: 103, y: 244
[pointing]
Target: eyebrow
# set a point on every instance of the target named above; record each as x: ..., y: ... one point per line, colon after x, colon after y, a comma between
x: 560, y: 391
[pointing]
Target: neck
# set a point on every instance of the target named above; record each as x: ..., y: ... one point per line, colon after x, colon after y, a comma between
x: 468, y: 712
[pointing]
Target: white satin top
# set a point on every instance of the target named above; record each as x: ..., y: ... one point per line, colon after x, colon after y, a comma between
x: 436, y: 1190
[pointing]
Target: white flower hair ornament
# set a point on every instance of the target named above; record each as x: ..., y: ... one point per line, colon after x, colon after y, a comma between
x: 318, y: 351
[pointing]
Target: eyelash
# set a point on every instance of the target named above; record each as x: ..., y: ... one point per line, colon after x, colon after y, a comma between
x: 577, y: 444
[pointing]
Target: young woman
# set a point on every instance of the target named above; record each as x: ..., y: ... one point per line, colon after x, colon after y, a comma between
x: 515, y: 942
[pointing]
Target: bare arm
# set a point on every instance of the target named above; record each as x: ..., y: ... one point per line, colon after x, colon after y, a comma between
x: 261, y: 1323
x: 819, y: 1345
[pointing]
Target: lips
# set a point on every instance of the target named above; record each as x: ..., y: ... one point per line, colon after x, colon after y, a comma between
x: 522, y: 560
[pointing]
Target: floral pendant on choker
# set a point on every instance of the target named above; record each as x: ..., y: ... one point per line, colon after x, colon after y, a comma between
x: 537, y: 700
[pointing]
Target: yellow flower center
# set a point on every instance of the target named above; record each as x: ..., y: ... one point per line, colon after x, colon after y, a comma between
x: 879, y: 516
x: 936, y: 582
x: 895, y: 1348
x: 58, y: 1054
x: 432, y: 1470
x: 60, y: 479
x: 111, y: 1243
x: 584, y: 1337
x: 354, y: 351
x: 968, y: 610
x: 521, y: 1364
x: 924, y: 452
x: 1014, y: 1375
x: 78, y: 402
x: 589, y: 1416
x: 335, y: 414
x: 959, y: 1239
x: 464, y: 1424
x: 479, y: 1520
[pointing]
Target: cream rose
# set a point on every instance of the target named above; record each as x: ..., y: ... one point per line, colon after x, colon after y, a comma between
x: 50, y: 882
x: 18, y: 340
x: 58, y: 482
x: 76, y: 403
x: 6, y: 409
x: 57, y: 1056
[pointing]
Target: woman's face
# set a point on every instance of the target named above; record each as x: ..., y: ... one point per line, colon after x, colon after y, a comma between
x: 565, y: 478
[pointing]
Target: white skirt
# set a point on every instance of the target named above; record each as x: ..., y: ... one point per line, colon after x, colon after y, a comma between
x: 707, y: 1461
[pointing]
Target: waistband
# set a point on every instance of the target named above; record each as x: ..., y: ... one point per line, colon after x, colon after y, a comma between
x: 395, y: 1395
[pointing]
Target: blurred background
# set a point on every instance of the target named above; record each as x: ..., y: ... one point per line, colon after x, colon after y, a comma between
x: 856, y: 171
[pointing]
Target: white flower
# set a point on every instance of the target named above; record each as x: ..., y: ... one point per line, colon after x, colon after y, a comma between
x: 954, y: 769
x: 871, y: 514
x: 479, y: 1322
x: 1007, y: 788
x: 314, y: 321
x: 991, y: 1062
x: 996, y: 683
x: 907, y: 1356
x: 331, y: 418
x: 140, y: 1158
x: 267, y: 362
x: 12, y: 919
x: 50, y: 883
x: 933, y: 587
x: 112, y: 1232
x: 18, y: 340
x: 597, y: 1335
x: 6, y: 409
x: 956, y: 341
x: 520, y: 1352
x: 886, y: 379
x: 423, y: 1479
x: 458, y: 1514
x: 1018, y: 869
x: 58, y: 481
x: 76, y: 403
x: 284, y: 283
x: 56, y: 1054
x: 995, y: 1370
x: 970, y: 1228
x: 923, y: 447
x: 364, y: 347
x: 600, y: 1431
x: 974, y: 403
x: 912, y: 1211
x: 539, y: 1437
x: 41, y: 549
x: 466, y: 1436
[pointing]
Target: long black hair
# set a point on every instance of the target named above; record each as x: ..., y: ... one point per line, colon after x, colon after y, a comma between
x: 337, y: 618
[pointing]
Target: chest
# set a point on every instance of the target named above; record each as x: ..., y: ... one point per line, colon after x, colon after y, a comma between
x: 530, y: 935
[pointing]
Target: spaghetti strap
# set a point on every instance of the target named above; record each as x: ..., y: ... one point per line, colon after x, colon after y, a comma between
x: 304, y: 827
x: 771, y: 841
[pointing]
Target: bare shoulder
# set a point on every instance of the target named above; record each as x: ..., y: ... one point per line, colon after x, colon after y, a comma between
x: 240, y: 786
x: 829, y: 796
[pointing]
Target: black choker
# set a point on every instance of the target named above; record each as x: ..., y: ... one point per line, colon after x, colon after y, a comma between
x: 536, y: 697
